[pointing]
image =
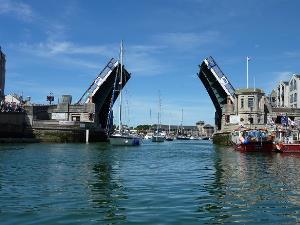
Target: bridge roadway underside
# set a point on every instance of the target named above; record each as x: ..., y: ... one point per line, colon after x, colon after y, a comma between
x: 103, y: 97
x: 215, y: 91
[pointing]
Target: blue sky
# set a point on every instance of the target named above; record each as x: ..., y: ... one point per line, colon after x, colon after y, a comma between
x: 60, y: 46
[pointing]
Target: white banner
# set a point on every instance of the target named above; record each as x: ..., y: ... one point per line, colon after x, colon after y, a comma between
x: 234, y: 119
x: 59, y: 116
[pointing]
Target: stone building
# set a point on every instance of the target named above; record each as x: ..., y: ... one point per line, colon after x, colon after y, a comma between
x: 250, y: 107
x: 272, y: 98
x: 200, y: 124
x: 2, y: 74
x: 282, y: 92
x: 294, y: 86
x: 208, y: 130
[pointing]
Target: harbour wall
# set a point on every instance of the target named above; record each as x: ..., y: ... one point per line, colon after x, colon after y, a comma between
x: 222, y: 139
x: 24, y: 127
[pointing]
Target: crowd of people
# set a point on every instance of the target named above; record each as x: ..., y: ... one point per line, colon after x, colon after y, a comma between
x: 11, y: 107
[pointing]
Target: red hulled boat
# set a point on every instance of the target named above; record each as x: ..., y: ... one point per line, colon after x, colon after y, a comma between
x: 287, y: 141
x: 252, y: 140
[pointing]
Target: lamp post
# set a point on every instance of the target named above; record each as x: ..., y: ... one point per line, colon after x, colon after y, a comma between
x: 50, y: 98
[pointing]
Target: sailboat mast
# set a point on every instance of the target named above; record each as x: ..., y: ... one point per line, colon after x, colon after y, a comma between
x: 159, y: 109
x: 181, y: 120
x: 121, y: 87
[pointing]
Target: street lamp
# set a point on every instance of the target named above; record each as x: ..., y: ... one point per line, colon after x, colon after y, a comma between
x: 50, y: 98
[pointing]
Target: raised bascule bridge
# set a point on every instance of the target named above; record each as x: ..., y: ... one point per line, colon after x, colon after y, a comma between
x: 218, y: 87
x: 104, y: 91
x: 86, y: 120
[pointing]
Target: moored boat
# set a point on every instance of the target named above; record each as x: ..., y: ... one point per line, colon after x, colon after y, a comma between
x: 252, y: 140
x: 287, y: 141
x: 124, y: 140
x: 169, y: 138
x: 182, y: 137
x: 121, y: 137
x: 158, y: 138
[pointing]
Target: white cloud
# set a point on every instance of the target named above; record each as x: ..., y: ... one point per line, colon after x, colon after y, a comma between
x: 139, y: 59
x: 186, y: 41
x: 55, y: 48
x: 19, y: 9
x: 292, y: 54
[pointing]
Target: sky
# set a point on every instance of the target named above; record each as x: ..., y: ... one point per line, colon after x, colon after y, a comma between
x: 61, y: 46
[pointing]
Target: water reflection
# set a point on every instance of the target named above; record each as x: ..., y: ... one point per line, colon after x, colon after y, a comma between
x: 107, y: 190
x: 244, y: 185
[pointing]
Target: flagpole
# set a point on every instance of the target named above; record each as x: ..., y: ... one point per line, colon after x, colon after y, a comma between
x: 247, y: 72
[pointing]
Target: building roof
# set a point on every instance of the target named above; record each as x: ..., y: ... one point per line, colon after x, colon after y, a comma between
x: 208, y: 126
x: 200, y: 122
x: 242, y: 91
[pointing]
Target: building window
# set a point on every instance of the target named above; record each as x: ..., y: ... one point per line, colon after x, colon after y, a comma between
x: 291, y: 98
x: 227, y: 118
x: 250, y: 102
x: 295, y: 97
x: 295, y: 85
x: 250, y: 119
x: 242, y: 103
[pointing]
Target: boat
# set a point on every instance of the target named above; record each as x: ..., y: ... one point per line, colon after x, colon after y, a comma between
x: 182, y: 137
x: 287, y: 141
x: 158, y: 136
x: 148, y: 136
x: 205, y: 138
x: 252, y: 140
x: 169, y: 138
x: 122, y: 137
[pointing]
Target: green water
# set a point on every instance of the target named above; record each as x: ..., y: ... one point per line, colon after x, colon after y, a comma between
x: 180, y: 182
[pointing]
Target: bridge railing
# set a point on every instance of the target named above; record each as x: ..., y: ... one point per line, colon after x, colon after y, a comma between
x: 214, y: 66
x: 109, y: 67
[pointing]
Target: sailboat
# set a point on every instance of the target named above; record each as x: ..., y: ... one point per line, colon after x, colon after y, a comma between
x: 169, y: 137
x: 157, y: 136
x: 122, y: 137
x: 182, y: 136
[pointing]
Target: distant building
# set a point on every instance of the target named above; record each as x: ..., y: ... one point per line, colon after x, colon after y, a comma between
x: 200, y: 124
x: 208, y: 130
x: 2, y: 74
x: 282, y: 92
x: 286, y: 93
x: 272, y: 98
x: 294, y: 87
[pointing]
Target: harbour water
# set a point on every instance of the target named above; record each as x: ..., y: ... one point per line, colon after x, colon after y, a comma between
x: 179, y: 182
